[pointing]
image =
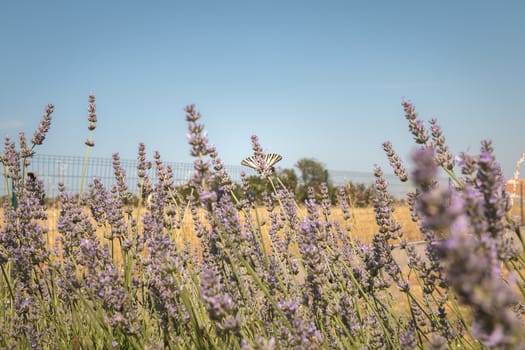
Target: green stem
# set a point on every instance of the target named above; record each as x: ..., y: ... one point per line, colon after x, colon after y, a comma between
x: 84, y: 172
x: 369, y: 304
x: 255, y: 277
x: 453, y: 176
x: 9, y: 287
x: 258, y: 236
x: 520, y: 274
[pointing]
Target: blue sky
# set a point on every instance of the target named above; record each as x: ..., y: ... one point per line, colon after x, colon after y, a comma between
x: 320, y: 79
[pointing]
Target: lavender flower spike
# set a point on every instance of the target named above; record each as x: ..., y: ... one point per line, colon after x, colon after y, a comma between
x: 416, y: 126
x: 470, y: 265
x: 470, y: 272
x: 43, y: 128
x: 219, y: 304
x: 92, y: 119
x: 425, y: 171
x: 395, y: 161
x: 92, y: 113
x: 439, y: 208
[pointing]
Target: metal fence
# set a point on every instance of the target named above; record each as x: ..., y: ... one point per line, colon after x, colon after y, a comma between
x: 52, y: 169
x: 397, y: 188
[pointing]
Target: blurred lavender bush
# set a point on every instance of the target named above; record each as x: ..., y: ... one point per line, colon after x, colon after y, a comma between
x: 122, y: 277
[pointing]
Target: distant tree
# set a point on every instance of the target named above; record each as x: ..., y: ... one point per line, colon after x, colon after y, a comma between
x: 289, y: 179
x: 313, y: 173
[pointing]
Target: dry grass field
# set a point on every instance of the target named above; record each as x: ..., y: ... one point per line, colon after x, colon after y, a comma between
x: 362, y: 223
x: 362, y: 226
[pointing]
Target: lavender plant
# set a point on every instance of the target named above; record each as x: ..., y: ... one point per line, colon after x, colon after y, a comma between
x: 208, y: 268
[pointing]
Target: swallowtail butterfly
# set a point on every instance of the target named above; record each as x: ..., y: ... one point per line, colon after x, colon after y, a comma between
x: 269, y: 159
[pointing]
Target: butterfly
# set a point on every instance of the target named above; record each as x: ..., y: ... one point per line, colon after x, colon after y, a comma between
x: 262, y: 164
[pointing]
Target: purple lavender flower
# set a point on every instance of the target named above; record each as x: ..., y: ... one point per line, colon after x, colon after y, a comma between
x: 219, y: 305
x: 23, y: 249
x: 25, y: 151
x: 197, y: 139
x: 467, y: 163
x: 383, y: 207
x: 92, y: 119
x: 470, y: 264
x: 92, y: 113
x: 11, y: 161
x: 122, y: 186
x: 442, y: 209
x: 311, y: 240
x: 225, y: 183
x: 302, y: 334
x: 475, y: 209
x: 259, y: 343
x: 437, y: 342
x: 416, y: 126
x: 202, y: 176
x: 326, y: 203
x: 425, y: 168
x: 142, y: 164
x: 395, y: 161
x: 342, y: 201
x: 443, y: 155
x: 407, y: 337
x: 43, y: 128
x: 470, y: 272
x: 377, y: 334
x: 106, y: 207
x: 492, y: 185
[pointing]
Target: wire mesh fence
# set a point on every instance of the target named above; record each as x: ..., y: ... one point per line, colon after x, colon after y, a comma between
x: 55, y: 169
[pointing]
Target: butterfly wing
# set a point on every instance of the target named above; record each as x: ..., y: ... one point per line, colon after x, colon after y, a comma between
x: 250, y: 162
x: 271, y: 159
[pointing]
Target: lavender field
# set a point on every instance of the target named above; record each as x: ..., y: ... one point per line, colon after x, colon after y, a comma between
x: 260, y: 277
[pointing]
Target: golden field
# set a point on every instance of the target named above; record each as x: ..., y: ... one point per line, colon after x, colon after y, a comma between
x: 362, y: 222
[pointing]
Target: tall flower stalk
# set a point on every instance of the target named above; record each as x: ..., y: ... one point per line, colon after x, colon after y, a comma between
x: 92, y: 124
